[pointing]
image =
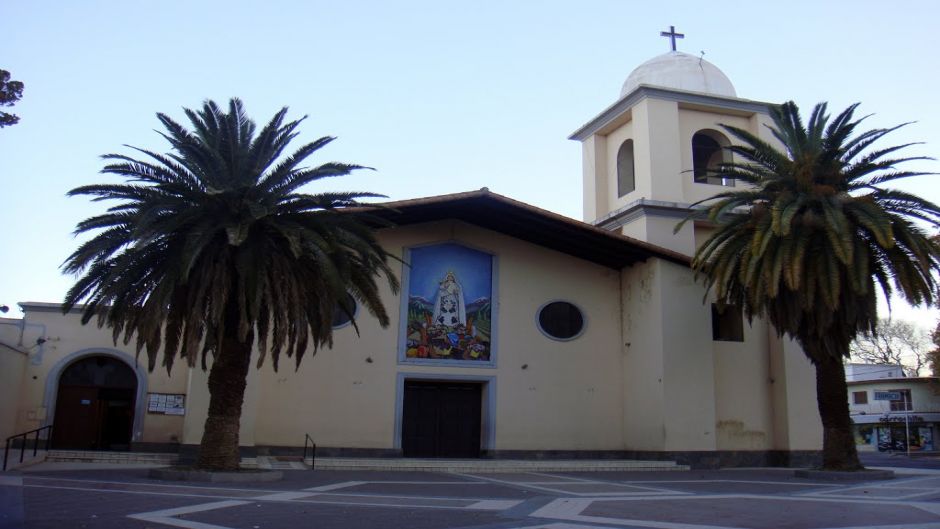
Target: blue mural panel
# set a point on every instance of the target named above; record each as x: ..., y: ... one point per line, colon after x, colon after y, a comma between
x: 449, y: 310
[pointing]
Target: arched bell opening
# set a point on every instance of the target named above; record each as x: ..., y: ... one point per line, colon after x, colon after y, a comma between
x: 709, y: 151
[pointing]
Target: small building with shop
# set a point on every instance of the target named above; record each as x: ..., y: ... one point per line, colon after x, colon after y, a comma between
x: 891, y: 411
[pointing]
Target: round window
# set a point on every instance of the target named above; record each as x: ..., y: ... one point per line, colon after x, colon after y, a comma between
x: 561, y: 320
x: 344, y: 311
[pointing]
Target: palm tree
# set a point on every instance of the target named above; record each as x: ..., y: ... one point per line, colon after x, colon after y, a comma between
x: 813, y: 238
x: 212, y: 249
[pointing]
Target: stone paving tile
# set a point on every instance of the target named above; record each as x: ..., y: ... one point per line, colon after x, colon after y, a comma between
x: 474, y: 490
x: 926, y: 483
x: 446, y: 500
x: 386, y: 500
x: 11, y: 507
x: 733, y: 487
x: 293, y: 479
x: 882, y: 493
x: 530, y: 477
x: 319, y: 516
x: 762, y: 513
x: 763, y: 474
x: 157, y: 488
x: 49, y: 508
x: 596, y: 488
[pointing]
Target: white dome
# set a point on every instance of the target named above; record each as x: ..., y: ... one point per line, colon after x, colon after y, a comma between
x: 680, y: 71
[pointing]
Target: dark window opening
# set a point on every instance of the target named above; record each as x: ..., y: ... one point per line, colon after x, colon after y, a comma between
x: 561, y: 320
x: 859, y: 397
x: 708, y: 154
x: 727, y: 323
x: 626, y: 178
x: 99, y: 371
x: 904, y: 403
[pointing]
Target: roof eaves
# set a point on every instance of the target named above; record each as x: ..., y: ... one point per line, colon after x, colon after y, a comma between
x: 680, y: 96
x: 485, y: 193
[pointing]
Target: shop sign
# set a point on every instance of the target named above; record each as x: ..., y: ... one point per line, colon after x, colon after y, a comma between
x: 901, y: 418
x: 887, y: 395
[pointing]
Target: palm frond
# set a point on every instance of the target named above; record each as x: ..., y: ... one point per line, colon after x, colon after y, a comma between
x: 218, y: 224
x: 815, y: 236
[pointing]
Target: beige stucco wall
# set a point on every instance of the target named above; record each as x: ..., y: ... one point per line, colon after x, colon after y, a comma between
x: 797, y: 424
x: 612, y: 142
x: 12, y: 368
x: 661, y: 231
x: 65, y: 336
x: 743, y: 368
x: 669, y: 372
x: 645, y: 374
x: 567, y: 396
x: 654, y: 129
x: 595, y: 181
x: 690, y: 392
x: 688, y: 372
x: 643, y: 393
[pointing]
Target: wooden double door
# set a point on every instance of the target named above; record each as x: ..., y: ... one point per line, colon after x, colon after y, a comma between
x: 95, y: 406
x: 441, y: 419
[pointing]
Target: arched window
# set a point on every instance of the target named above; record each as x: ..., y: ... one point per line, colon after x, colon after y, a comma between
x: 626, y: 180
x: 100, y: 371
x: 708, y: 152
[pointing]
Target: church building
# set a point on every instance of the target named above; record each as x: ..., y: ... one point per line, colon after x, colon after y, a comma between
x: 518, y: 332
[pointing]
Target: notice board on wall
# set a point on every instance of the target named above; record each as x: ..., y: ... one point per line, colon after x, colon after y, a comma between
x: 166, y: 403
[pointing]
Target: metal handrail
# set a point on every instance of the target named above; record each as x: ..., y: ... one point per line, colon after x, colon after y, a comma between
x: 25, y: 435
x: 308, y: 441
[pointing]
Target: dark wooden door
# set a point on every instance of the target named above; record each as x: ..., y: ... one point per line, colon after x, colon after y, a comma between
x: 441, y: 419
x: 90, y: 418
x: 76, y: 418
x: 95, y: 405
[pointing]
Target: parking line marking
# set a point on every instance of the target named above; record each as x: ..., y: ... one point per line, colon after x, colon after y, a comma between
x: 571, y: 509
x: 335, y: 486
x: 285, y: 496
x: 493, y: 505
x: 166, y: 516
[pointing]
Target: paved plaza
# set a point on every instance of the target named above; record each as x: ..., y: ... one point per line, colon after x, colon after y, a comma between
x: 49, y: 496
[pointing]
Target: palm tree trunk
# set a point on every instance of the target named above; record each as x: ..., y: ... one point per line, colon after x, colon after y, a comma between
x: 227, y: 381
x: 833, y: 399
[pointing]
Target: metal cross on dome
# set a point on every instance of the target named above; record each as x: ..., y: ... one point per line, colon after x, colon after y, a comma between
x: 672, y: 36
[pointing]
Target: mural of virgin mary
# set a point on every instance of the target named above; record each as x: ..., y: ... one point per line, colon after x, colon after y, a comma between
x: 449, y: 307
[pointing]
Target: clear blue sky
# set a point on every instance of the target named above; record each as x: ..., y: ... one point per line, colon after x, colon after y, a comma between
x: 439, y: 97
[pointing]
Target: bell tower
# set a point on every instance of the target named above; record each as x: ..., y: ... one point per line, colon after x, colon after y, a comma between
x: 646, y: 157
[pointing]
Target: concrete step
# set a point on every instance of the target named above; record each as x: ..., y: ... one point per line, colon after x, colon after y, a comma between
x: 397, y: 464
x: 493, y: 465
x: 97, y: 456
x: 275, y: 463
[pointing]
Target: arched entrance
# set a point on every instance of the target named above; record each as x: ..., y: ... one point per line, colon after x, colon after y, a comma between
x: 95, y: 403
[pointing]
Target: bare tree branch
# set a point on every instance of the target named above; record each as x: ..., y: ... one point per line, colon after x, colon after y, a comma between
x: 895, y: 342
x: 933, y: 356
